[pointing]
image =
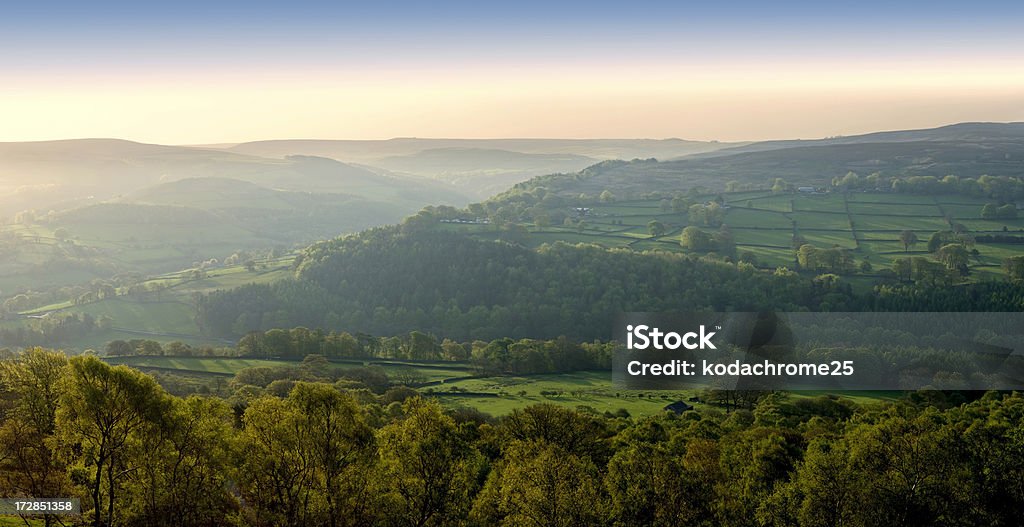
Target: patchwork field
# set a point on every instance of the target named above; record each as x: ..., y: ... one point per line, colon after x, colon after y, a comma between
x: 764, y: 224
x: 454, y: 384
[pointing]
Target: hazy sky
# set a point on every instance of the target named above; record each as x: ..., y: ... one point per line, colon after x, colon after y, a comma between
x: 189, y: 72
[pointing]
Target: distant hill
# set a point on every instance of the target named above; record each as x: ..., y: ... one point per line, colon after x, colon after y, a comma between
x: 481, y: 167
x: 967, y: 150
x: 104, y: 206
x: 65, y: 174
x: 482, y: 171
x: 200, y: 218
x: 370, y: 150
x: 957, y: 133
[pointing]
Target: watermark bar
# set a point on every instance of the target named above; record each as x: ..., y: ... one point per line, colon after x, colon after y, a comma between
x: 40, y: 506
x: 820, y: 351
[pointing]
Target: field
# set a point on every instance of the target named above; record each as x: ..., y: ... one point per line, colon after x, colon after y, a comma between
x: 764, y: 224
x: 456, y: 386
x: 436, y: 372
x: 164, y: 310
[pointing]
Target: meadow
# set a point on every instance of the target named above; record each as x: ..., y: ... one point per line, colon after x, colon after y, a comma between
x: 456, y: 385
x: 764, y: 224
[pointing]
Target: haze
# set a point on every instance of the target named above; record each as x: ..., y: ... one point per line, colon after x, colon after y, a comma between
x: 194, y: 75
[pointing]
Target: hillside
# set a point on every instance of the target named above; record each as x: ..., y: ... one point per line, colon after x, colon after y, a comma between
x: 170, y: 226
x: 955, y: 133
x: 969, y: 150
x: 481, y: 167
x: 368, y: 150
x: 484, y: 172
x: 48, y: 174
x: 488, y: 270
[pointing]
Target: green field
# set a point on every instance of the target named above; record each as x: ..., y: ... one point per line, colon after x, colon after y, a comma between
x: 433, y: 372
x: 590, y: 389
x: 763, y: 223
x: 454, y: 384
x: 165, y: 312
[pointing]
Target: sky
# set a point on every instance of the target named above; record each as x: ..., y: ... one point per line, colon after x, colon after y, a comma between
x: 222, y: 72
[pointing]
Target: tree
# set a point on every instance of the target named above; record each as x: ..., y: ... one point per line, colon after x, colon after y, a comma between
x: 656, y: 228
x: 607, y: 197
x: 953, y: 255
x: 304, y: 458
x: 338, y: 441
x: 807, y: 256
x: 779, y: 186
x: 31, y: 384
x: 185, y: 467
x: 697, y: 214
x: 724, y: 241
x: 830, y: 487
x: 1014, y: 267
x: 748, y: 257
x: 541, y: 484
x: 103, y: 410
x: 650, y: 486
x: 428, y: 468
x: 908, y: 238
x: 940, y: 238
x: 695, y: 239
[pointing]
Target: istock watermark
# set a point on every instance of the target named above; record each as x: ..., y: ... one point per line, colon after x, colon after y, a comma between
x: 834, y: 351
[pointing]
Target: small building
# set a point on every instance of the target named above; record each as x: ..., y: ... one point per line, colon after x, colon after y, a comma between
x: 678, y: 407
x: 806, y: 190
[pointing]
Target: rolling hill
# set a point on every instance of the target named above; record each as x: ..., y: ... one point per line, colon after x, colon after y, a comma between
x: 967, y: 150
x: 65, y: 174
x: 480, y: 167
x: 85, y: 209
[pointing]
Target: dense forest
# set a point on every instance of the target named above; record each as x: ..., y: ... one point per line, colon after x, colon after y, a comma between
x: 385, y: 281
x: 326, y: 455
x: 393, y: 280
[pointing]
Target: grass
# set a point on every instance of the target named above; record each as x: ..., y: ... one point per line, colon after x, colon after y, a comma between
x: 763, y: 223
x: 589, y: 389
x: 737, y: 218
x: 497, y: 395
x: 166, y: 314
x: 433, y: 372
x: 806, y: 221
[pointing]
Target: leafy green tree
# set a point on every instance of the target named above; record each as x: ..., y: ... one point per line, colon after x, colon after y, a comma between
x: 649, y: 485
x: 428, y: 468
x: 304, y: 457
x: 695, y: 239
x: 30, y: 389
x: 908, y: 239
x: 656, y: 228
x: 185, y: 467
x: 808, y: 256
x: 779, y: 186
x: 336, y: 438
x: 1014, y: 267
x: 103, y: 411
x: 538, y: 484
x: 953, y: 256
x: 574, y: 432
